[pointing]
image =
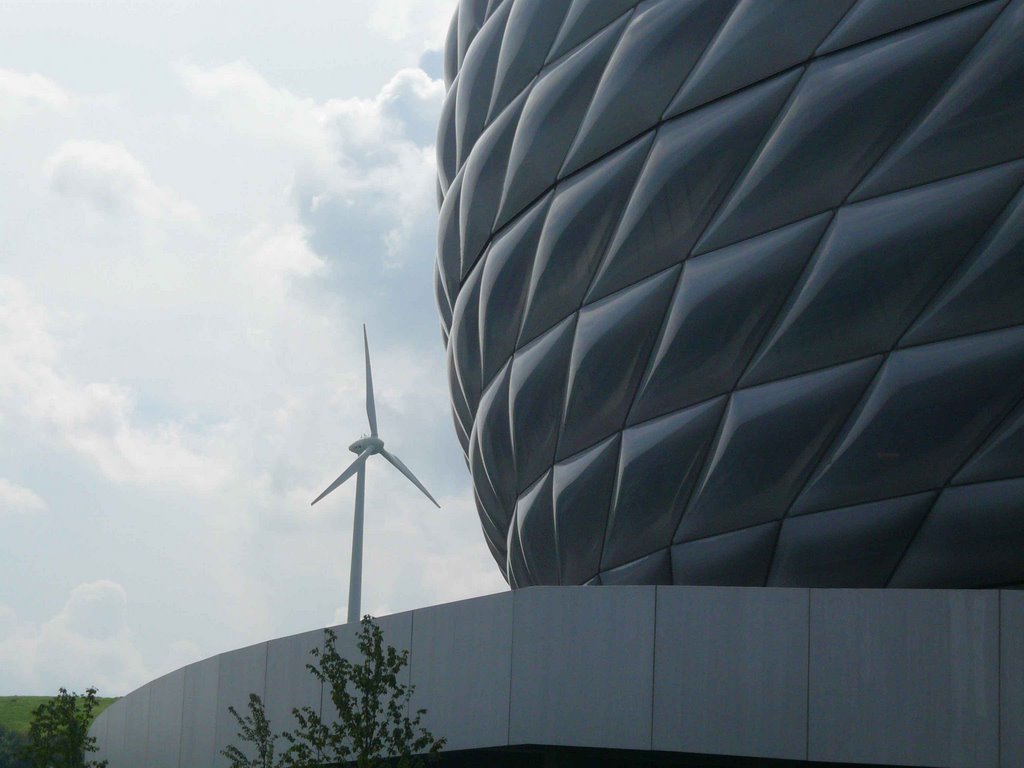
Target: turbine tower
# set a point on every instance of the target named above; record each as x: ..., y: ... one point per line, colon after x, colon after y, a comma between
x: 366, y: 447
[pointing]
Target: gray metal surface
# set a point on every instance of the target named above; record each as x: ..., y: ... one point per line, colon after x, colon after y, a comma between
x: 892, y: 677
x: 559, y: 639
x: 462, y: 663
x: 904, y: 677
x: 240, y: 673
x: 1011, y: 682
x: 166, y: 703
x: 114, y: 738
x: 289, y: 685
x: 749, y: 275
x: 199, y: 714
x: 136, y: 725
x: 730, y: 671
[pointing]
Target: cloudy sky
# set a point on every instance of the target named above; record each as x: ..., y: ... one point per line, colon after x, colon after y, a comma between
x: 200, y: 203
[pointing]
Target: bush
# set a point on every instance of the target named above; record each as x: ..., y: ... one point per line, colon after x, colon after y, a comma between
x: 372, y: 728
x: 58, y: 736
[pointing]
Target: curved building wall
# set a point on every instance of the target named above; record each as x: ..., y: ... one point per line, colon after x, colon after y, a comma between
x: 733, y: 292
x: 881, y: 677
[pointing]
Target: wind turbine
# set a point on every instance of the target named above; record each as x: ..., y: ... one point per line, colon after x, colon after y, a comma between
x: 366, y: 447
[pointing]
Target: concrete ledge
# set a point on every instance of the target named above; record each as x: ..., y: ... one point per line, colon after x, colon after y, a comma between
x: 865, y: 677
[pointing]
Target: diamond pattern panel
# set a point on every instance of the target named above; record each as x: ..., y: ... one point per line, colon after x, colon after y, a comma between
x: 733, y: 291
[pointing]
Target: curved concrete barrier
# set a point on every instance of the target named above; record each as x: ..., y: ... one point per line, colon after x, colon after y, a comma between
x: 898, y: 677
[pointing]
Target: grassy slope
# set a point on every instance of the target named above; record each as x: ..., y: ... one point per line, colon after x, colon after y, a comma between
x: 16, y: 711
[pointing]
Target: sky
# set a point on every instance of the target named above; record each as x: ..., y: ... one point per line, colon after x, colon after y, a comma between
x: 200, y: 204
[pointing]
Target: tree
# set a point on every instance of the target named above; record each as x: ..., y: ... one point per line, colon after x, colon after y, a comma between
x: 255, y: 729
x: 372, y: 728
x: 12, y: 744
x: 58, y: 736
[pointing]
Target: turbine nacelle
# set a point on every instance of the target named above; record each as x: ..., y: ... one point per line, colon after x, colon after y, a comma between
x: 371, y: 445
x: 368, y: 443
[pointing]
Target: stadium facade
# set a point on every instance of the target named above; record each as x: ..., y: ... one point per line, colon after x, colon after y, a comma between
x: 733, y: 292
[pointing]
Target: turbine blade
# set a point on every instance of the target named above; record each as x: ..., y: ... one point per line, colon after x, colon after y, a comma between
x: 371, y: 410
x: 352, y: 468
x: 397, y: 462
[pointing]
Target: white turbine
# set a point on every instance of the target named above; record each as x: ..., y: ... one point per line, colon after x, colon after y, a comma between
x: 366, y: 447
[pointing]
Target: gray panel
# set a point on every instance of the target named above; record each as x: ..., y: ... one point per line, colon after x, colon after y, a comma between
x: 614, y: 338
x: 582, y: 489
x: 663, y: 40
x: 758, y: 39
x: 446, y: 143
x: 658, y: 466
x: 769, y: 442
x: 730, y: 671
x: 987, y: 523
x: 1002, y: 456
x: 738, y: 558
x: 461, y: 668
x: 114, y: 750
x: 985, y: 292
x: 847, y: 109
x: 977, y: 120
x: 850, y: 547
x: 472, y: 14
x: 705, y: 343
x: 580, y: 223
x: 136, y: 705
x: 449, y: 241
x: 655, y: 568
x: 550, y: 120
x: 876, y: 249
x: 536, y: 396
x: 516, y: 571
x: 496, y: 451
x: 581, y: 667
x: 166, y: 703
x: 451, y: 53
x: 476, y: 78
x: 503, y: 285
x: 199, y: 715
x: 1011, y: 687
x: 529, y: 33
x: 494, y: 514
x: 871, y: 18
x: 904, y: 677
x: 464, y: 349
x: 947, y: 397
x: 535, y: 517
x: 484, y: 178
x: 585, y: 19
x: 693, y: 163
x: 289, y: 684
x: 241, y: 673
x: 98, y: 731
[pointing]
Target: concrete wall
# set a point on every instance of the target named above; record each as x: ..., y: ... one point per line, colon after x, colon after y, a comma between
x: 887, y: 677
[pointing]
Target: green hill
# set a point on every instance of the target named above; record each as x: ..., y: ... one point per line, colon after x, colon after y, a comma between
x: 16, y: 711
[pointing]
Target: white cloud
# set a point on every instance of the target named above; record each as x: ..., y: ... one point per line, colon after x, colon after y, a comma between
x: 86, y: 643
x: 363, y: 168
x: 198, y: 385
x: 111, y: 180
x: 96, y: 419
x: 16, y: 500
x: 22, y: 94
x: 423, y: 22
